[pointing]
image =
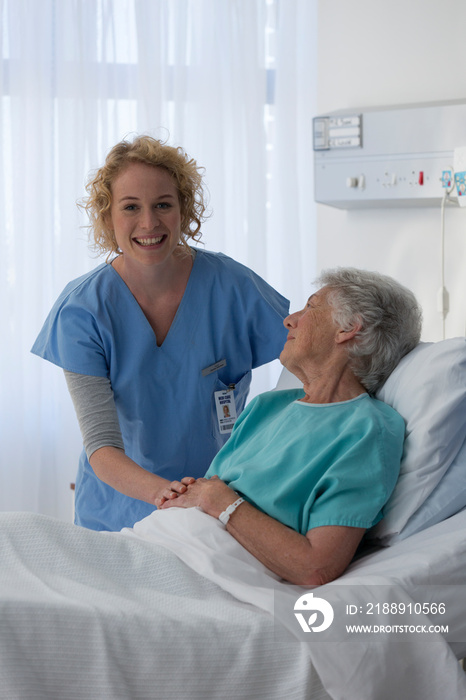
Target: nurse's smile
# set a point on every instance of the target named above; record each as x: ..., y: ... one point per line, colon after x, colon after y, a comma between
x: 150, y: 241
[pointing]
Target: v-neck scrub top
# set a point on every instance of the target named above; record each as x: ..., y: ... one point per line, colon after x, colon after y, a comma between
x: 164, y: 400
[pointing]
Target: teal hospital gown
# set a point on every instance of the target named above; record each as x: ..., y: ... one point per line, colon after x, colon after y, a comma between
x: 310, y: 465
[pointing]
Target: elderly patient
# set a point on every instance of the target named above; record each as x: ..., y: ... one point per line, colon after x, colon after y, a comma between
x: 307, y: 472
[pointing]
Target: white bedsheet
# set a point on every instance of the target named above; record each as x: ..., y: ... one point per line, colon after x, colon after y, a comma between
x: 381, y: 667
x: 107, y: 615
x: 100, y: 616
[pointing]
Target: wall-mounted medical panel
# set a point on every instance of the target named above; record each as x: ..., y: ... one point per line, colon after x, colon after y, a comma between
x: 387, y: 156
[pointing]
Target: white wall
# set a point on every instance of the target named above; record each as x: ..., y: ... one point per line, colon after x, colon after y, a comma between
x: 373, y: 52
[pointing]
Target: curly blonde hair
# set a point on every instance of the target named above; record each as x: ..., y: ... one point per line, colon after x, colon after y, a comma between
x: 184, y: 171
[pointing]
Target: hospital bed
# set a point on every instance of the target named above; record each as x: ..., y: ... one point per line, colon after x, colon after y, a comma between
x: 175, y: 608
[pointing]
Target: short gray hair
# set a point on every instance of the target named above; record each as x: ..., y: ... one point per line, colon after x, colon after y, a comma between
x: 390, y: 318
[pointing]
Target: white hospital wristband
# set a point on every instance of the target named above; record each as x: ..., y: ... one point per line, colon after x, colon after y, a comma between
x: 225, y: 516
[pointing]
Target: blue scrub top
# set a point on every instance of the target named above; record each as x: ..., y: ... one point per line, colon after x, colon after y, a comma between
x: 165, y: 402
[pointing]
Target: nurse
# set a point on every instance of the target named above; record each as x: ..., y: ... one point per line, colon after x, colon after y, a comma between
x: 157, y: 343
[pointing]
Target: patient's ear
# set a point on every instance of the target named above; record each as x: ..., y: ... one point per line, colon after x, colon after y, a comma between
x: 343, y: 336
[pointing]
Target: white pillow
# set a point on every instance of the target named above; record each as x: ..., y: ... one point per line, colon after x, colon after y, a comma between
x: 428, y: 388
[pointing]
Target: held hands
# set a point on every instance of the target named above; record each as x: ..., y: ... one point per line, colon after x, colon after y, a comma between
x: 212, y: 495
x: 173, y: 490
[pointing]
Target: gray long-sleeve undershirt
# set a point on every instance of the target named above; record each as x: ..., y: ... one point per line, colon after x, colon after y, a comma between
x: 96, y: 411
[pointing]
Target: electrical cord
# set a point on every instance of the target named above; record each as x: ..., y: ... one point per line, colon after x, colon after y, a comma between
x: 443, y: 297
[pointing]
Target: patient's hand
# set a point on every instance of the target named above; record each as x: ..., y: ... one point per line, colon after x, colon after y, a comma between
x: 212, y: 495
x: 173, y: 490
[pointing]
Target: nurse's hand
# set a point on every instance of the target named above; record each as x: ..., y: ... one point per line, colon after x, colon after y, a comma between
x: 212, y: 495
x: 173, y: 490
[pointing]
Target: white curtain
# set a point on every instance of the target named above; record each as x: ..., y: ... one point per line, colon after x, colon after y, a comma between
x: 232, y: 81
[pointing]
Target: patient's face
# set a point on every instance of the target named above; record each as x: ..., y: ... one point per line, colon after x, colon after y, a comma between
x: 311, y: 333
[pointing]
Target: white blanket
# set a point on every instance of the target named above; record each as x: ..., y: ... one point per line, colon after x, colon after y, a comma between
x: 380, y: 667
x: 100, y: 616
x: 110, y: 615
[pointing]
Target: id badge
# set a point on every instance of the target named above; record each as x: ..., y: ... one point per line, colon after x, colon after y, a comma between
x: 226, y: 410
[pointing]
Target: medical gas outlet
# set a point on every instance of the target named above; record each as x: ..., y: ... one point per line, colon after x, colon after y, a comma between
x: 385, y: 157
